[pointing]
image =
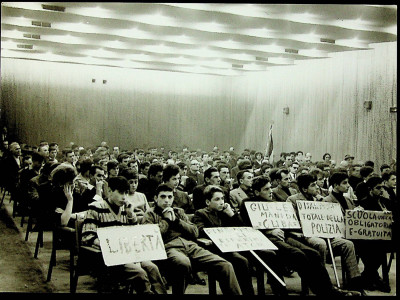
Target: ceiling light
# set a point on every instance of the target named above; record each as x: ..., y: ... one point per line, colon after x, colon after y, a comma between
x: 53, y: 7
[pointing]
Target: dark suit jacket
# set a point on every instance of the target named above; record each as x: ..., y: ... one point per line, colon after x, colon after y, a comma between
x: 10, y: 174
x: 281, y: 195
x: 204, y: 218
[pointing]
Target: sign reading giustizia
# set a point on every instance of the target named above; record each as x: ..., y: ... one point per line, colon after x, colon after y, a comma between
x: 128, y: 244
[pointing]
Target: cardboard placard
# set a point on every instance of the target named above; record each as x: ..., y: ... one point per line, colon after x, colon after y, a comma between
x: 269, y: 215
x: 368, y: 225
x: 321, y: 219
x: 231, y: 239
x: 128, y: 244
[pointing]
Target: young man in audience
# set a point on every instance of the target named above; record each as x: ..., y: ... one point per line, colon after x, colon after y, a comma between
x: 373, y: 252
x: 283, y: 190
x: 112, y: 169
x: 171, y: 178
x: 179, y: 236
x: 354, y: 175
x: 361, y: 190
x: 218, y: 213
x: 319, y: 175
x: 211, y: 177
x: 69, y: 157
x: 148, y: 185
x: 244, y: 191
x: 340, y: 246
x: 117, y: 211
x: 195, y: 177
x: 385, y: 168
x: 296, y: 255
x: 225, y: 176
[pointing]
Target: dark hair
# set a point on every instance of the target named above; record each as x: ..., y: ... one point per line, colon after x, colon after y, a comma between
x: 85, y: 165
x: 366, y: 170
x: 181, y: 165
x: 240, y: 174
x: 299, y: 152
x: 48, y: 167
x: 384, y: 166
x: 353, y: 166
x: 316, y: 172
x: 154, y: 169
x: 369, y: 163
x: 67, y: 151
x: 337, y: 178
x: 259, y: 182
x: 323, y: 156
x: 304, y: 180
x: 222, y: 165
x: 273, y: 174
x: 122, y: 156
x: 169, y: 171
x: 265, y: 166
x: 93, y: 169
x: 129, y: 174
x: 245, y: 164
x: 119, y: 183
x: 373, y: 181
x: 210, y: 190
x: 63, y: 174
x: 144, y: 165
x: 37, y: 157
x: 386, y: 176
x: 163, y: 188
x: 112, y: 164
x: 207, y: 173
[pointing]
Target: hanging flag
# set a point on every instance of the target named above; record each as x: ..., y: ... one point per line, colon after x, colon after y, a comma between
x: 270, y: 147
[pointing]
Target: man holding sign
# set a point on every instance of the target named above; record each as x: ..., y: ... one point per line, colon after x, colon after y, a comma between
x: 179, y: 235
x: 116, y: 210
x: 303, y: 259
x: 308, y: 191
x: 373, y: 253
x: 220, y: 214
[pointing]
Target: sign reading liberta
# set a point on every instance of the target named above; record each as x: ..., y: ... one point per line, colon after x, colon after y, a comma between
x: 230, y: 239
x: 321, y: 219
x: 368, y: 225
x: 128, y: 244
x: 268, y: 215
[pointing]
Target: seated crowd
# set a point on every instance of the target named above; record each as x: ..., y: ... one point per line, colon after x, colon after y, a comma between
x: 186, y: 191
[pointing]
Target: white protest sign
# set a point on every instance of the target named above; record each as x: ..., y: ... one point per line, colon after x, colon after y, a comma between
x: 268, y: 215
x: 128, y: 244
x: 368, y: 225
x: 230, y: 239
x: 321, y: 219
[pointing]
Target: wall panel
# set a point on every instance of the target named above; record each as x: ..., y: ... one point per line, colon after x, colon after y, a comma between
x: 138, y: 108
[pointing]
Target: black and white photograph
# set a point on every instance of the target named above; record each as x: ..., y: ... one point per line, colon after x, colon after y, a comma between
x: 203, y: 148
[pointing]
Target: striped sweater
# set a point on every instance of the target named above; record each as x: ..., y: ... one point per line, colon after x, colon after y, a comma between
x: 100, y: 215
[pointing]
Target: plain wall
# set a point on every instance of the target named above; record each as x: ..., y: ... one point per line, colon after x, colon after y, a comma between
x: 142, y: 108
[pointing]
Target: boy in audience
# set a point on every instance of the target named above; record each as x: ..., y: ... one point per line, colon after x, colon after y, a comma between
x: 148, y: 185
x: 340, y: 246
x: 244, y: 191
x: 179, y: 236
x: 171, y: 178
x: 117, y: 211
x: 361, y: 190
x: 283, y: 190
x: 373, y: 253
x: 211, y: 177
